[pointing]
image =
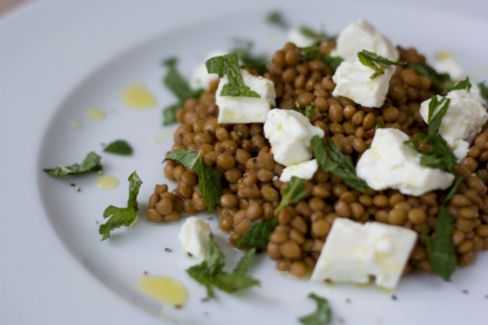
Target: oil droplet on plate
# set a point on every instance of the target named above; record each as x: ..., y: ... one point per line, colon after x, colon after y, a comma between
x: 95, y: 114
x: 138, y: 97
x: 75, y: 124
x: 166, y: 290
x: 443, y: 55
x: 107, y: 182
x: 161, y: 136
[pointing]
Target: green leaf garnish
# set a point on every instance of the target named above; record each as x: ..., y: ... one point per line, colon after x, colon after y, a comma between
x: 276, y: 18
x: 479, y: 173
x: 209, y: 179
x: 441, y: 82
x: 91, y: 163
x: 312, y: 53
x: 175, y: 82
x: 229, y: 65
x: 257, y: 236
x: 293, y: 192
x: 319, y: 36
x: 483, y: 91
x: 464, y: 84
x: 435, y: 151
x: 307, y: 111
x: 453, y: 189
x: 321, y: 316
x: 119, y: 147
x: 119, y: 217
x: 210, y: 272
x: 332, y: 160
x: 243, y: 49
x: 376, y: 62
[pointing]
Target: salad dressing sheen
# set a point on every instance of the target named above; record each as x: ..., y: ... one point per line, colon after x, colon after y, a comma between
x: 137, y: 96
x: 107, y: 182
x: 164, y: 289
x: 95, y: 114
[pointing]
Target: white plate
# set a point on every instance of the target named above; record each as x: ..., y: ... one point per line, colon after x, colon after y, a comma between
x: 51, y: 73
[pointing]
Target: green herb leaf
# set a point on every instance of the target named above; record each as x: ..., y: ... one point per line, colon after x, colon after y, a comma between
x: 229, y: 65
x: 441, y: 82
x: 119, y: 147
x: 293, y: 192
x: 243, y: 49
x: 313, y: 53
x: 440, y: 248
x: 91, y: 163
x: 483, y: 91
x: 257, y: 236
x: 169, y: 113
x: 307, y: 111
x: 437, y: 110
x: 319, y: 36
x: 119, y: 217
x: 453, y: 189
x: 376, y: 62
x: 209, y: 179
x: 321, y: 316
x: 276, y: 18
x: 210, y: 272
x: 464, y: 84
x: 479, y: 173
x: 332, y: 160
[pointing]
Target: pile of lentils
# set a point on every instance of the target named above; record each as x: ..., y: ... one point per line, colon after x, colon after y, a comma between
x: 251, y: 185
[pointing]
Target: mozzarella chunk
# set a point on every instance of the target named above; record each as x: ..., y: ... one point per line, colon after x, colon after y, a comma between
x: 359, y: 36
x: 195, y: 238
x: 353, y: 252
x: 289, y: 133
x: 200, y: 78
x: 464, y: 119
x: 240, y: 109
x: 446, y: 63
x: 304, y: 170
x: 301, y: 40
x: 389, y: 163
x: 353, y: 81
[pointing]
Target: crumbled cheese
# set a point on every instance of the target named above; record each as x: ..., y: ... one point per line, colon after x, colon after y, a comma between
x: 240, y: 109
x: 353, y: 81
x: 359, y: 36
x: 390, y: 163
x: 195, y: 238
x: 353, y: 252
x: 464, y: 119
x: 200, y: 78
x: 304, y: 170
x: 289, y: 133
x: 445, y: 62
x: 300, y: 39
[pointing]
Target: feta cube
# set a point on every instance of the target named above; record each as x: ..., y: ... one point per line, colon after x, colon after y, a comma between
x: 200, y: 78
x: 290, y: 133
x: 445, y: 62
x: 353, y: 81
x: 304, y: 170
x: 195, y: 238
x: 463, y: 120
x: 301, y: 40
x: 353, y: 252
x: 240, y: 109
x: 359, y: 36
x: 389, y: 163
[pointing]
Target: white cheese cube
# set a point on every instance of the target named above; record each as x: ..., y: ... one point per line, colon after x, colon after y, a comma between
x: 353, y: 81
x: 304, y: 170
x: 445, y: 63
x: 195, y: 238
x: 301, y: 40
x: 200, y: 78
x: 353, y: 252
x: 389, y: 163
x: 289, y: 133
x: 359, y: 36
x: 463, y: 120
x: 240, y: 109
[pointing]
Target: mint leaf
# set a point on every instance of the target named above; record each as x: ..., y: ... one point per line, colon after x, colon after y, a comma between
x: 453, y: 189
x: 91, y: 163
x: 293, y: 192
x: 119, y: 147
x: 169, y: 113
x: 437, y: 110
x: 276, y: 18
x: 243, y: 50
x: 319, y: 36
x: 464, y: 84
x: 312, y: 53
x: 209, y: 179
x: 257, y: 236
x: 441, y: 82
x: 332, y: 160
x: 119, y: 217
x: 483, y: 91
x: 376, y: 62
x: 307, y: 111
x: 229, y: 65
x: 321, y: 316
x: 210, y: 272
